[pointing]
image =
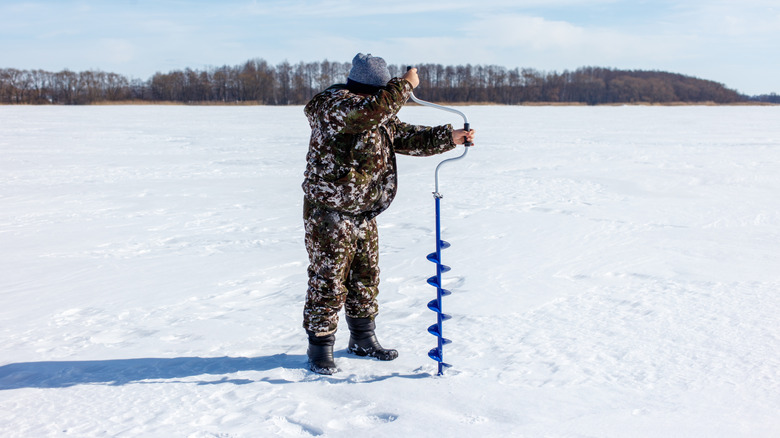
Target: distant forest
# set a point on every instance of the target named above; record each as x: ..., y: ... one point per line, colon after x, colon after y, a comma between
x: 257, y: 82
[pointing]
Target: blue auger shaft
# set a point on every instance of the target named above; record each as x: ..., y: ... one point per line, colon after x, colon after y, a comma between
x: 439, y: 321
x: 437, y: 329
x: 435, y: 305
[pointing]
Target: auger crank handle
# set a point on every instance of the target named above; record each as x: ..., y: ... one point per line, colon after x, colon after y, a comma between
x: 466, y: 126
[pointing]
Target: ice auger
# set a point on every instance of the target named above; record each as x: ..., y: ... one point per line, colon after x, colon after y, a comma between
x: 435, y: 305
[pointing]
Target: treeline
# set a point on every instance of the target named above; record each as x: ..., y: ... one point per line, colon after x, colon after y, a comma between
x: 258, y: 82
x: 255, y: 81
x: 767, y: 98
x: 590, y: 85
x: 65, y: 87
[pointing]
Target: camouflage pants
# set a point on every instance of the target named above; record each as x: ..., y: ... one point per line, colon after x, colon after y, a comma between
x: 343, y: 268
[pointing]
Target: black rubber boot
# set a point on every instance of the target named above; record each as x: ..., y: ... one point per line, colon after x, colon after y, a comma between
x: 363, y: 342
x: 320, y: 353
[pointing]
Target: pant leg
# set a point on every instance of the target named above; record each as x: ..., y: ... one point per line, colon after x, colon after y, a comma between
x: 363, y: 278
x: 330, y: 242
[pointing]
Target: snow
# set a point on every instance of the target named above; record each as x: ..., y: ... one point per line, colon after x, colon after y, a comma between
x: 614, y: 273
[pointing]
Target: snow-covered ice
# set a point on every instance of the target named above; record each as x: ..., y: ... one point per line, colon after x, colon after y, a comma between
x: 615, y: 272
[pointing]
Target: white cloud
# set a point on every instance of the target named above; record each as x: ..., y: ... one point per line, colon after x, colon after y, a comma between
x: 357, y: 8
x: 530, y: 32
x: 728, y: 18
x: 117, y: 51
x: 347, y: 8
x: 518, y: 40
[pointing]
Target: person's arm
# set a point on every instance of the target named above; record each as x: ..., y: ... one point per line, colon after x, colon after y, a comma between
x: 366, y: 113
x: 422, y: 141
x: 426, y: 140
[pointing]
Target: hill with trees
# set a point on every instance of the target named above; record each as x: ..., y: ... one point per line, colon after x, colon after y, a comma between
x: 258, y: 82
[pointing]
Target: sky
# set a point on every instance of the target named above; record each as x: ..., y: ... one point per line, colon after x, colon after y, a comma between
x: 736, y: 43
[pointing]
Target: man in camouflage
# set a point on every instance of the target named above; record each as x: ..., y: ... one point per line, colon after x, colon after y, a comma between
x: 351, y: 178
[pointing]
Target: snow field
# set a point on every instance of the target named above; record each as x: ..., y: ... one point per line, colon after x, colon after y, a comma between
x: 614, y: 273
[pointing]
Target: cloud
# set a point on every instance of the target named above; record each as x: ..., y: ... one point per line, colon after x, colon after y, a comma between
x: 534, y: 33
x: 117, y: 51
x: 533, y: 41
x: 346, y: 9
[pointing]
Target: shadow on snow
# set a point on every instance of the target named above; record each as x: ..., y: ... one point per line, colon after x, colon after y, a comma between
x: 64, y: 374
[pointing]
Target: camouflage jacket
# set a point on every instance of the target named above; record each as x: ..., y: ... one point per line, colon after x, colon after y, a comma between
x: 351, y: 164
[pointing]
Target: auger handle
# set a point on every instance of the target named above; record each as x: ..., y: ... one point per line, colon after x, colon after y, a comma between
x: 466, y: 127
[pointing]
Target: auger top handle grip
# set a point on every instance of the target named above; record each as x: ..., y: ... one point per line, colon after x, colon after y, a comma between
x: 466, y: 125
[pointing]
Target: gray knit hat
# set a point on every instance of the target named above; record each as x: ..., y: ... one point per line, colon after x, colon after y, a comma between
x: 369, y: 70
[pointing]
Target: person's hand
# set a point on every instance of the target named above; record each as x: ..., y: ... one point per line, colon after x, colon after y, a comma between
x: 411, y: 76
x: 460, y: 136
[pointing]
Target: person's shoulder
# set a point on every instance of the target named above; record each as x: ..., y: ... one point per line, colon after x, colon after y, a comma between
x: 326, y: 97
x: 332, y: 93
x: 337, y: 89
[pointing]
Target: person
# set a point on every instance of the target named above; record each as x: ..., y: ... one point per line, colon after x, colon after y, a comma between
x: 351, y: 178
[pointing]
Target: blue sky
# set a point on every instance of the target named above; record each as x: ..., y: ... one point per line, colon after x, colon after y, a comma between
x: 734, y: 42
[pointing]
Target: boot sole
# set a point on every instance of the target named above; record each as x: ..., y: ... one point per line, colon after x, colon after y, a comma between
x: 326, y: 371
x: 391, y: 356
